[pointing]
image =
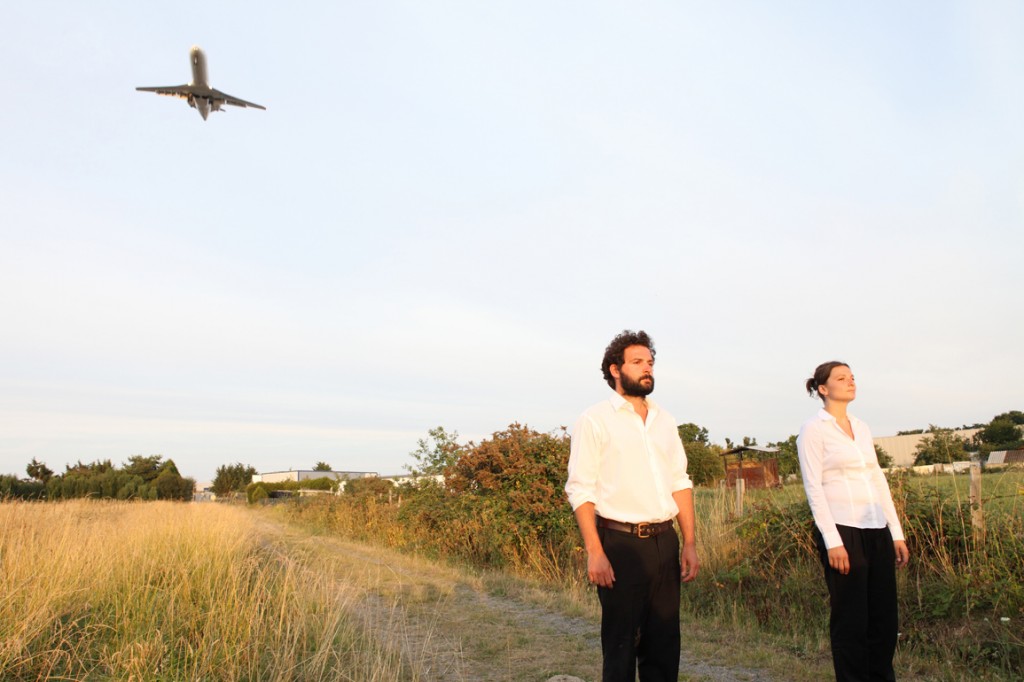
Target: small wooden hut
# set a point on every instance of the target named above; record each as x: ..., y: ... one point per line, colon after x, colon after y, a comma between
x: 755, y: 473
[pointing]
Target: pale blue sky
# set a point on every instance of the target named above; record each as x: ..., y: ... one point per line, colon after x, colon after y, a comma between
x: 449, y: 209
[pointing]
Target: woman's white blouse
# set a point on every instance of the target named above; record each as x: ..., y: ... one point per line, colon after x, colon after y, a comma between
x: 842, y: 478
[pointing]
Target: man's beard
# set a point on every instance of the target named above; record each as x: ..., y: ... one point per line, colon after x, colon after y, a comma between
x: 635, y: 389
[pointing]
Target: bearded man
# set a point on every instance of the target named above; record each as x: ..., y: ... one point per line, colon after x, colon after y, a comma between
x: 627, y: 481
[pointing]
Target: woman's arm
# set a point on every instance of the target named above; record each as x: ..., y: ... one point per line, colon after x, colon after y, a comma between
x: 810, y: 448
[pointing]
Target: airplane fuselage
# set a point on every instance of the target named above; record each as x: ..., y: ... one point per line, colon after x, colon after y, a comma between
x: 198, y: 93
x: 200, y: 80
x: 199, y: 75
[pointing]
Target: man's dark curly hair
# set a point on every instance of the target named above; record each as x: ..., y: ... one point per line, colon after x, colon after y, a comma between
x: 614, y: 354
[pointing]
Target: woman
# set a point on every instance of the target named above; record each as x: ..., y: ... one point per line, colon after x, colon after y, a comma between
x: 859, y: 537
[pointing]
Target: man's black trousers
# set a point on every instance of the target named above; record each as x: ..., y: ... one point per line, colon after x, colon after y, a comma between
x: 640, y: 613
x: 864, y: 621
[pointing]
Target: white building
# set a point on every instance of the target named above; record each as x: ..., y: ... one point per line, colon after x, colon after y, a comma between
x: 407, y: 479
x: 903, y: 449
x: 310, y: 474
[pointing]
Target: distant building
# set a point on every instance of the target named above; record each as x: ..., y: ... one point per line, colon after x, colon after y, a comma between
x: 309, y: 475
x: 763, y: 474
x: 903, y: 449
x: 203, y: 492
x: 412, y: 479
x: 1003, y: 458
x: 754, y: 473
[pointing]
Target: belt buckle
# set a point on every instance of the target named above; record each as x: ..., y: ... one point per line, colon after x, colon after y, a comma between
x: 644, y: 530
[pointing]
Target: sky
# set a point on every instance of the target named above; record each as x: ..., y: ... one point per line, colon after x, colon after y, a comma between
x: 448, y: 210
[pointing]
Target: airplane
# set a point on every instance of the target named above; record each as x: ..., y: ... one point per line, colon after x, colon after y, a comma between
x: 199, y: 93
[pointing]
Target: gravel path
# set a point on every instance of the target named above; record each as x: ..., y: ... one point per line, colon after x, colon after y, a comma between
x: 449, y: 626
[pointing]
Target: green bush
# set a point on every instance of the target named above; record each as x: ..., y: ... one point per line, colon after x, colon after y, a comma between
x: 502, y: 505
x: 232, y: 478
x: 256, y: 492
x: 16, y: 488
x: 268, y: 489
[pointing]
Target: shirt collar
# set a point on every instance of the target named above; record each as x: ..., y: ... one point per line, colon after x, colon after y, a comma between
x: 619, y: 402
x: 823, y: 415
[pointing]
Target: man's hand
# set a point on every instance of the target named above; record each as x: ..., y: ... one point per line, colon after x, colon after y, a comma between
x: 688, y: 562
x: 599, y: 569
x: 902, y: 553
x: 839, y: 560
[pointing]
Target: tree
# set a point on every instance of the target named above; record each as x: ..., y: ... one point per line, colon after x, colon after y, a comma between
x: 693, y: 433
x: 93, y: 468
x: 435, y: 454
x: 232, y: 478
x: 703, y: 460
x: 704, y: 463
x: 1016, y: 416
x: 884, y: 458
x: 1000, y: 431
x: 14, y: 487
x: 789, y: 461
x: 942, y: 446
x: 170, y: 466
x: 146, y: 468
x: 170, y: 485
x: 322, y: 466
x: 38, y: 471
x: 747, y: 441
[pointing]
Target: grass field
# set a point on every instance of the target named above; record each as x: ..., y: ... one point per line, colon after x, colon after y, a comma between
x: 1001, y: 491
x: 961, y: 599
x: 167, y: 591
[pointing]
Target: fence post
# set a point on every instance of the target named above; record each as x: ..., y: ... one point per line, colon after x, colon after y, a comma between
x: 740, y: 489
x: 977, y: 515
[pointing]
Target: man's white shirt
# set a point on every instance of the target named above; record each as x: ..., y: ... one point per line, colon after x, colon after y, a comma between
x: 626, y: 466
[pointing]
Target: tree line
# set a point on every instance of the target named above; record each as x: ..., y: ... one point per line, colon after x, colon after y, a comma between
x: 140, y: 478
x: 153, y: 478
x: 942, y: 445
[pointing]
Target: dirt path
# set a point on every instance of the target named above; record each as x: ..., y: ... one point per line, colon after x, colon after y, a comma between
x: 454, y: 626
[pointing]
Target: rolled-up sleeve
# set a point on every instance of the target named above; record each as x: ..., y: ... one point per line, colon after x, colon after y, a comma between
x: 680, y: 477
x: 584, y: 462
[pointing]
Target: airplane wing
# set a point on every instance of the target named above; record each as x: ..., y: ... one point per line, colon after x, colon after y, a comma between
x: 234, y: 101
x: 183, y: 91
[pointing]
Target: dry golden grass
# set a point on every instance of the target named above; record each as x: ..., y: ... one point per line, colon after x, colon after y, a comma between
x: 168, y: 591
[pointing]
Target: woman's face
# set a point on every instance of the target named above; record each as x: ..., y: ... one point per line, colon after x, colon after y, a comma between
x: 840, y: 386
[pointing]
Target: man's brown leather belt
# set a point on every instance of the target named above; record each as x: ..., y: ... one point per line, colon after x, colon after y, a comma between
x: 641, y: 530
